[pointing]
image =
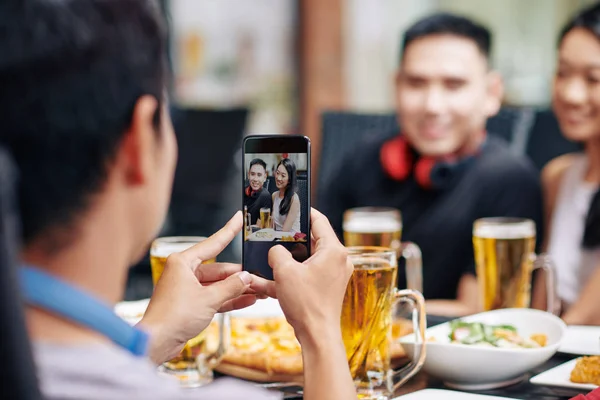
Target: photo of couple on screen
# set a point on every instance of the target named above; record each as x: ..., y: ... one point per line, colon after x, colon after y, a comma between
x: 275, y: 197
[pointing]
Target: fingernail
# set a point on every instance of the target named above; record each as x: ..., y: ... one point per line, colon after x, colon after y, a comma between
x: 245, y: 277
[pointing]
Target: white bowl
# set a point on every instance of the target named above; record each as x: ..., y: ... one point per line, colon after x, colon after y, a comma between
x: 469, y: 367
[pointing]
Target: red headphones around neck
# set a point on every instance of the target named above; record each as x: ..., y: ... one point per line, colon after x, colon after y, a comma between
x: 399, y: 161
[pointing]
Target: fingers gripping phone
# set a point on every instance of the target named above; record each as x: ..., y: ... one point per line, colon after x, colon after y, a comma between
x: 276, y: 199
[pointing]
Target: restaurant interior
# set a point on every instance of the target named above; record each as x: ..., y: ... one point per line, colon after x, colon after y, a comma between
x: 328, y: 70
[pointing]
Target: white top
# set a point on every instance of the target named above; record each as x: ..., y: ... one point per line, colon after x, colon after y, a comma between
x: 279, y: 220
x: 573, y: 263
x: 112, y: 373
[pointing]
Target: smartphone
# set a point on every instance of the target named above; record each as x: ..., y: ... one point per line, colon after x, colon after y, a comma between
x: 276, y: 199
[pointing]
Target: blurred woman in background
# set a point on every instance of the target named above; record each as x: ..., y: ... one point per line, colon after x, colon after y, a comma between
x: 286, y: 203
x: 571, y: 182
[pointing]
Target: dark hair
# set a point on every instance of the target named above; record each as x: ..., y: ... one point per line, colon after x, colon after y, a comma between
x: 588, y: 19
x: 591, y: 233
x: 70, y: 75
x: 259, y: 162
x: 286, y: 203
x: 449, y: 24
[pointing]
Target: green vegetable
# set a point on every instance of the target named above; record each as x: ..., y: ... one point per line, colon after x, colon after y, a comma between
x: 476, y: 332
x: 506, y: 327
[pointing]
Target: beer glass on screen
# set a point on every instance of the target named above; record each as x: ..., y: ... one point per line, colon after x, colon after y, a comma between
x: 265, y: 218
x: 194, y: 365
x: 505, y: 259
x: 367, y: 322
x: 382, y: 226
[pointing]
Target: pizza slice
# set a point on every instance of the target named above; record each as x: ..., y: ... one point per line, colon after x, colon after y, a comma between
x: 266, y: 349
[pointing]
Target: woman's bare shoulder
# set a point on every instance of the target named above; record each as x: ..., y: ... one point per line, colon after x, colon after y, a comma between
x: 554, y: 170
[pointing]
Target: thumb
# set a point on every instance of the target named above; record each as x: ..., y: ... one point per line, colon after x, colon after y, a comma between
x: 280, y: 257
x: 230, y: 288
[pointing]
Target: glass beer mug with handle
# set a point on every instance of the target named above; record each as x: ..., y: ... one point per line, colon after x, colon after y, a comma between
x: 367, y: 322
x: 194, y: 365
x: 505, y: 259
x: 382, y: 226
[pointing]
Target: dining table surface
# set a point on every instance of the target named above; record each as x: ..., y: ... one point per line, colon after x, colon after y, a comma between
x: 524, y: 389
x: 521, y: 390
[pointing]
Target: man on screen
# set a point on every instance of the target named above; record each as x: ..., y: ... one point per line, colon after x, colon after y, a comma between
x: 256, y: 196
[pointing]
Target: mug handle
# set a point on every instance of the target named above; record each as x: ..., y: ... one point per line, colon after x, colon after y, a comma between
x: 544, y: 261
x: 414, y: 265
x: 416, y: 300
x: 212, y: 360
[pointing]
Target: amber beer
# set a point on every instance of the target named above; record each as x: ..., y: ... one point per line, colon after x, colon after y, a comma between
x: 366, y: 322
x: 366, y: 317
x: 161, y: 249
x: 373, y: 227
x: 265, y: 217
x: 504, y: 254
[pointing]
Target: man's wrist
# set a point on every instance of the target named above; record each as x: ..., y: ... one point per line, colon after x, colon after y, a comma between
x: 320, y: 338
x: 162, y: 346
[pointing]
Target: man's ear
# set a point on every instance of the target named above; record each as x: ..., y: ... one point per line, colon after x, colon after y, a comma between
x: 495, y: 93
x: 137, y: 149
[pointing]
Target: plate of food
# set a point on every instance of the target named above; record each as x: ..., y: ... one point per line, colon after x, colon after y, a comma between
x: 581, y: 340
x: 490, y: 349
x: 264, y: 348
x: 581, y: 373
x: 264, y: 235
x: 288, y: 237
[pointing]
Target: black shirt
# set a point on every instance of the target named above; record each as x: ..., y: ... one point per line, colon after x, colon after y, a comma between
x: 498, y: 183
x: 256, y: 201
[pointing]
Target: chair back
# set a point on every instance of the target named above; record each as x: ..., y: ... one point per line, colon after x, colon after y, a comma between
x: 207, y: 140
x: 340, y: 131
x: 545, y: 140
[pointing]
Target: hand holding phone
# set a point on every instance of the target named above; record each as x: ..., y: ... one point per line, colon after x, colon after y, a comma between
x: 276, y: 199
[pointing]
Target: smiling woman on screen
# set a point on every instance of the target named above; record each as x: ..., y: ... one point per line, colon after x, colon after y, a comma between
x: 286, y: 203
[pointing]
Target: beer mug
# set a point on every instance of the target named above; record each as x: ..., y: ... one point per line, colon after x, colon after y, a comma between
x: 194, y: 365
x: 505, y: 259
x: 382, y: 226
x: 265, y: 216
x: 367, y: 322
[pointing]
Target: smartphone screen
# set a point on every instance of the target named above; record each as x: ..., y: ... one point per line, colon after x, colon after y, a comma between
x: 276, y: 199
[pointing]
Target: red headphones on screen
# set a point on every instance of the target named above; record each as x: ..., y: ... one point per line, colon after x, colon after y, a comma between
x: 399, y: 161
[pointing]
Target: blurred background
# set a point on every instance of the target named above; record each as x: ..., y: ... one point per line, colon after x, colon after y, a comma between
x: 324, y: 69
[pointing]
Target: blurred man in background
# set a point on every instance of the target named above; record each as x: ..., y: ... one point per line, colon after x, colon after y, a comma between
x: 442, y: 170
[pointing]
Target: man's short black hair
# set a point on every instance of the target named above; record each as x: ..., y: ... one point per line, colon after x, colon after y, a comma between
x: 449, y: 24
x: 70, y: 74
x: 259, y: 162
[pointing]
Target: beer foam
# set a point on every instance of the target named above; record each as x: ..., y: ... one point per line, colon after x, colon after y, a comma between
x: 166, y: 249
x: 372, y: 225
x: 518, y: 230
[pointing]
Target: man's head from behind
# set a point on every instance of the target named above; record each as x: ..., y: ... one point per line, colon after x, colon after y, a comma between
x: 83, y: 115
x: 445, y: 90
x: 257, y: 174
